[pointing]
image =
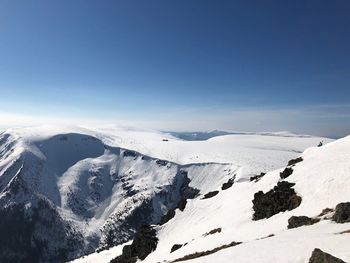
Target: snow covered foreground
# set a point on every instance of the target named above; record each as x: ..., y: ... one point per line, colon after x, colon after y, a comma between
x: 94, y: 183
x: 322, y: 180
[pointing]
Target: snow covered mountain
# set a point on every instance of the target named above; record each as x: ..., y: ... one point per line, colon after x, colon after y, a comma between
x: 67, y: 191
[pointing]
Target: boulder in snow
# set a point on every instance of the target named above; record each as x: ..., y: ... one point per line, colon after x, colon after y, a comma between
x: 228, y: 184
x: 210, y: 194
x: 294, y: 161
x: 175, y: 247
x: 286, y: 172
x: 144, y: 243
x: 279, y: 199
x: 318, y: 256
x: 256, y: 178
x: 342, y: 213
x: 298, y: 221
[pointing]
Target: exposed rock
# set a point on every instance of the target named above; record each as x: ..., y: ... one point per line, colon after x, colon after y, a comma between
x: 205, y: 253
x: 286, y: 172
x: 186, y: 191
x: 129, y: 153
x: 256, y: 178
x: 318, y: 256
x: 33, y: 231
x: 210, y: 194
x: 122, y: 226
x: 342, y: 213
x: 175, y: 247
x: 144, y: 243
x: 161, y: 162
x: 117, y: 231
x: 131, y: 192
x: 214, y: 231
x: 182, y: 204
x: 326, y: 211
x: 23, y: 239
x: 271, y: 235
x: 228, y: 184
x: 345, y: 232
x: 294, y: 161
x: 279, y: 199
x: 169, y: 215
x: 124, y: 259
x: 298, y: 221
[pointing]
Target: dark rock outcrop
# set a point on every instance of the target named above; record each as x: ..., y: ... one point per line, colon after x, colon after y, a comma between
x: 119, y: 228
x: 117, y: 231
x: 298, y: 221
x: 210, y: 194
x: 33, y: 231
x: 129, y: 153
x: 268, y: 236
x: 182, y: 204
x: 206, y: 253
x: 279, y: 199
x: 256, y: 178
x: 169, y: 215
x: 162, y: 162
x: 124, y: 259
x: 186, y: 191
x: 175, y: 247
x: 144, y: 243
x: 213, y: 231
x: 228, y: 184
x: 294, y: 161
x: 326, y: 211
x: 342, y: 213
x: 286, y: 172
x: 23, y: 234
x: 318, y: 256
x: 344, y: 232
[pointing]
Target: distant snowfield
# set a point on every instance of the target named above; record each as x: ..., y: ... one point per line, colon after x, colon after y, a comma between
x: 260, y: 151
x: 264, y: 152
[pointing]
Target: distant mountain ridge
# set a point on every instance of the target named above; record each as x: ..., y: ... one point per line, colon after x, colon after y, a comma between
x: 201, y: 136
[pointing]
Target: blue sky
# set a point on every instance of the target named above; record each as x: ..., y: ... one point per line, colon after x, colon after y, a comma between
x: 181, y: 65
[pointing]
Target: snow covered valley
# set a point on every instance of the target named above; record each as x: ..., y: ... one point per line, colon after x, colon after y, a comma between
x: 66, y: 192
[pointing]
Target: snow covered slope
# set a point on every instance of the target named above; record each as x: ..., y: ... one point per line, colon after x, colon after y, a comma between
x: 76, y: 189
x: 322, y: 180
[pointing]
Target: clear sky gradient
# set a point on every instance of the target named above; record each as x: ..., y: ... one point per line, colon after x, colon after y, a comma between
x: 180, y: 65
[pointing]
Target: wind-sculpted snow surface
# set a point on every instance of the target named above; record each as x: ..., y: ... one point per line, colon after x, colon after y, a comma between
x: 76, y: 189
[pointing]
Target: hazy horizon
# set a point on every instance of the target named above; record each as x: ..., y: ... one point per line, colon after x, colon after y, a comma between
x: 179, y: 66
